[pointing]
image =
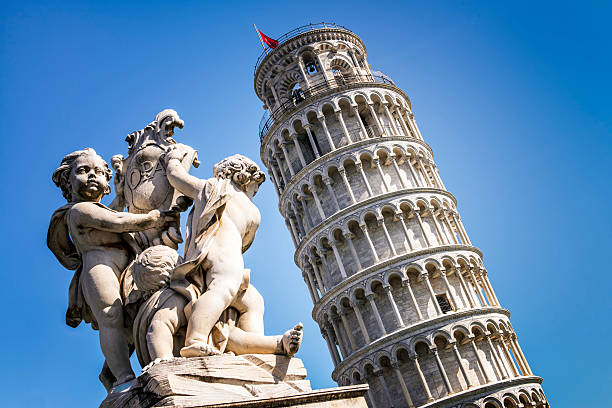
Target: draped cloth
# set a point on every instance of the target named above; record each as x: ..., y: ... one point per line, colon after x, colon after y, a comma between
x: 62, y: 246
x: 203, y: 223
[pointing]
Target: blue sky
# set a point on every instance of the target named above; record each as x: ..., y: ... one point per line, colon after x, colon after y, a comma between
x: 514, y: 99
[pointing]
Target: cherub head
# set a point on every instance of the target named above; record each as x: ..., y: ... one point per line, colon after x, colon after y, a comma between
x: 153, y: 268
x: 83, y: 176
x: 242, y: 171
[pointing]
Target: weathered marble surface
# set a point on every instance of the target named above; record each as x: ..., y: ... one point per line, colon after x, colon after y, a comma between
x: 225, y: 380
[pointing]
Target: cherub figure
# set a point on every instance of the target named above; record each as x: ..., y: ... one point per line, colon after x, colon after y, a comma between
x: 94, y: 240
x: 159, y: 326
x: 221, y: 227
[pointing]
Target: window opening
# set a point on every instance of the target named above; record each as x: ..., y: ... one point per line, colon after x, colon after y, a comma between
x: 296, y: 94
x: 444, y: 303
x: 310, y: 65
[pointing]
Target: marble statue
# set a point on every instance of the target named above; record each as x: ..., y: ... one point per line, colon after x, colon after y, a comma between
x: 131, y: 283
x: 94, y: 240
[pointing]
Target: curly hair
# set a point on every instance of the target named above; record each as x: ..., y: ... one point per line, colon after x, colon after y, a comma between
x: 153, y: 268
x: 240, y: 169
x: 61, y: 175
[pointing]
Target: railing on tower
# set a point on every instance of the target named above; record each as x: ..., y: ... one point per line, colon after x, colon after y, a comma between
x: 298, y: 98
x: 294, y: 33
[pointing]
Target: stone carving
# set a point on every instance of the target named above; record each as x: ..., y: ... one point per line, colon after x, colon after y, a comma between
x: 130, y: 282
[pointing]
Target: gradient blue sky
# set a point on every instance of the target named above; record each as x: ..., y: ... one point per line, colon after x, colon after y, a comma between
x: 513, y: 97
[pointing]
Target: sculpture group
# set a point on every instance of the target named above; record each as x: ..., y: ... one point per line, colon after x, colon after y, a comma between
x: 130, y: 282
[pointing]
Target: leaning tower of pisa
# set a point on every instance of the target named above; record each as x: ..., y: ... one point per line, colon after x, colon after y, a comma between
x: 401, y: 295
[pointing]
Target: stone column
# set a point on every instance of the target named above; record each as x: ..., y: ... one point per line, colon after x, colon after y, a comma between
x: 414, y: 302
x: 342, y: 172
x: 479, y: 360
x: 460, y: 224
x: 436, y: 225
x: 283, y: 174
x: 309, y: 274
x: 309, y: 285
x: 348, y: 235
x: 485, y: 276
x: 383, y: 383
x: 400, y: 378
x: 496, y: 358
x: 364, y: 228
x: 343, y: 349
x: 425, y: 277
x: 291, y: 226
x: 397, y: 170
x: 417, y: 180
x: 517, y: 356
x: 460, y: 363
x: 468, y: 292
x: 315, y: 195
x: 391, y: 121
x: 343, y: 125
x: 309, y: 221
x: 381, y: 221
x: 330, y: 189
x: 485, y: 287
x: 477, y: 287
x: 448, y: 289
x: 287, y: 160
x: 415, y: 359
x: 381, y: 174
x: 450, y: 227
x: 402, y: 216
x: 521, y: 354
x: 402, y: 122
x: 376, y: 120
x: 315, y: 269
x: 338, y: 258
x: 417, y: 213
x: 275, y: 174
x: 347, y: 329
x: 298, y: 149
x: 329, y: 138
x: 359, y: 166
x: 396, y: 312
x: 355, y: 306
x: 361, y: 126
x: 423, y: 172
x: 297, y: 219
x: 416, y: 127
x: 370, y: 297
x: 449, y: 389
x: 332, y: 348
x: 412, y: 128
x: 274, y: 180
x: 311, y: 140
x: 509, y: 357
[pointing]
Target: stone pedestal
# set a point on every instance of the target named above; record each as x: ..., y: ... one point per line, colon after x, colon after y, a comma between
x: 252, y: 380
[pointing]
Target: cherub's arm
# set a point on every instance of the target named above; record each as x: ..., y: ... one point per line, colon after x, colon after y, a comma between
x: 90, y: 215
x: 180, y: 179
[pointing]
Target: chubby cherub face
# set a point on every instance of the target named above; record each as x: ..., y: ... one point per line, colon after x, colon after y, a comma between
x: 88, y: 178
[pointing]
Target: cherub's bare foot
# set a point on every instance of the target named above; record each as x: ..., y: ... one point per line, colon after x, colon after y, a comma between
x: 198, y: 350
x: 292, y: 339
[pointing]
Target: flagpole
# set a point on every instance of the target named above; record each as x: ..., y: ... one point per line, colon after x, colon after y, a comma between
x: 260, y: 39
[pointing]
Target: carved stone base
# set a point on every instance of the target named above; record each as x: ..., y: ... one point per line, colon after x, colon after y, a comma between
x: 252, y: 380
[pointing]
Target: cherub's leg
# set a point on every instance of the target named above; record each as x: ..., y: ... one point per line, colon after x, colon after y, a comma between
x: 241, y: 342
x: 250, y: 304
x: 101, y: 291
x: 223, y: 279
x: 164, y: 325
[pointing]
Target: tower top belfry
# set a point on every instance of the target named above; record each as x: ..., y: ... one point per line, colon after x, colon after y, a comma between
x: 400, y: 294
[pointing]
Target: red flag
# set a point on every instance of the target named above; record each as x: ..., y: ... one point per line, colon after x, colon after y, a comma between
x: 270, y: 42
